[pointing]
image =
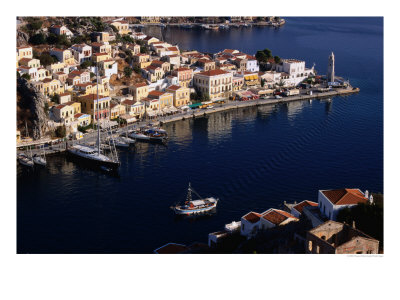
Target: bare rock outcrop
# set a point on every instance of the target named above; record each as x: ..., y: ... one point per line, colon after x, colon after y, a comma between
x: 33, y: 103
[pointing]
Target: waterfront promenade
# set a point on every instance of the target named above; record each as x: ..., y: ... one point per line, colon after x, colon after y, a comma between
x: 58, y: 146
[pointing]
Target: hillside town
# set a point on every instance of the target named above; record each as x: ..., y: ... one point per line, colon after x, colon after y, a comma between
x: 72, y: 71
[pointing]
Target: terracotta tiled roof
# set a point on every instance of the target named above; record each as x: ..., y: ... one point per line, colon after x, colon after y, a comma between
x: 172, y: 48
x: 92, y: 97
x: 174, y: 87
x: 213, y: 72
x: 140, y: 84
x: 345, y: 196
x: 100, y: 54
x: 299, y: 207
x: 156, y: 93
x: 128, y: 102
x: 182, y: 69
x: 60, y: 106
x: 76, y: 116
x: 275, y: 217
x: 252, y: 217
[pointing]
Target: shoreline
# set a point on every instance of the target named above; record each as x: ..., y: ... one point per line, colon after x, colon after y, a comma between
x: 242, y: 104
x: 60, y: 147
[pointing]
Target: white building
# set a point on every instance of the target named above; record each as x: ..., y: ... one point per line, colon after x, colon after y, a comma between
x: 275, y: 217
x: 217, y: 84
x: 252, y: 64
x: 250, y: 223
x: 330, y: 202
x: 82, y: 52
x: 297, y: 209
x: 296, y: 69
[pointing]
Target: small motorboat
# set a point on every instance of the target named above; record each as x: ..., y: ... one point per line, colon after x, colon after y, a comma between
x: 194, y: 207
x: 25, y: 160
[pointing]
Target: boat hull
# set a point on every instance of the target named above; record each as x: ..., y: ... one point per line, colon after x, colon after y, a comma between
x: 93, y: 162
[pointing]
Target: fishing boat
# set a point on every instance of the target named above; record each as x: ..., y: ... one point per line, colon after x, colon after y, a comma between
x: 23, y: 159
x: 120, y: 142
x: 92, y: 154
x: 146, y: 133
x: 194, y: 207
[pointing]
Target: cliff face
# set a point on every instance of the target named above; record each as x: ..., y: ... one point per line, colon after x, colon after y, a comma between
x: 31, y: 109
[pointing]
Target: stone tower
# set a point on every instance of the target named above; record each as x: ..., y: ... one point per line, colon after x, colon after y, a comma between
x: 331, y: 68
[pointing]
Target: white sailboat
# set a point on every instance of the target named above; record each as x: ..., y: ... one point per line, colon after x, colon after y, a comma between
x: 91, y: 154
x: 40, y: 159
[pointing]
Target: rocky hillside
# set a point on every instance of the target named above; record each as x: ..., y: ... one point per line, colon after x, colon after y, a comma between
x: 31, y: 109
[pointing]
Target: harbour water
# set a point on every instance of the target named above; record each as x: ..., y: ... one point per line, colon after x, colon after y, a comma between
x: 252, y: 158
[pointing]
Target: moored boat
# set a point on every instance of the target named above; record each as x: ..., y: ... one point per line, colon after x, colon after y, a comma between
x: 194, y: 207
x: 25, y: 160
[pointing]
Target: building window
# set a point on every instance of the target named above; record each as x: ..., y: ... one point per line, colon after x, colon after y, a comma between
x: 310, y: 246
x: 318, y: 249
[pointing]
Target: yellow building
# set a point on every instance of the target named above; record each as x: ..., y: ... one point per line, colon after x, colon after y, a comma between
x: 29, y: 62
x: 49, y: 87
x: 75, y: 105
x: 139, y: 91
x: 153, y: 73
x: 150, y: 39
x: 180, y: 94
x: 83, y: 119
x: 217, y: 84
x: 165, y: 99
x: 24, y: 52
x: 98, y: 57
x: 64, y: 113
x: 64, y: 56
x: 91, y: 105
x: 122, y: 26
x: 141, y: 60
x: 164, y: 65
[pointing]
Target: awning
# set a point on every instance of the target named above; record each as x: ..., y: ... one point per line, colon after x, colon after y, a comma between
x: 128, y: 118
x: 173, y: 109
x: 151, y: 113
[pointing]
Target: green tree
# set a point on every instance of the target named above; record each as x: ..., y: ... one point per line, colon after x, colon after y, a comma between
x: 61, y: 131
x: 143, y: 50
x: 262, y: 82
x: 114, y: 28
x: 128, y: 71
x: 26, y: 76
x: 261, y: 56
x: 277, y: 59
x: 86, y: 64
x: 52, y: 39
x: 128, y: 60
x: 35, y: 24
x: 37, y: 39
x: 55, y: 98
x: 137, y: 69
x: 46, y: 59
x: 267, y: 52
x: 46, y: 108
x: 367, y: 217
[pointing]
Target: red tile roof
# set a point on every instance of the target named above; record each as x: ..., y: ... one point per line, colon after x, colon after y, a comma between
x: 252, y: 217
x: 174, y: 87
x: 92, y: 97
x: 345, y: 196
x: 156, y: 93
x: 299, y: 207
x: 128, y: 102
x: 76, y: 116
x: 274, y: 217
x: 140, y: 84
x: 213, y: 72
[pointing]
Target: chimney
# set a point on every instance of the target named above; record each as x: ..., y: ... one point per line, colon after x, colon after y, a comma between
x: 366, y: 194
x: 371, y: 199
x: 354, y: 224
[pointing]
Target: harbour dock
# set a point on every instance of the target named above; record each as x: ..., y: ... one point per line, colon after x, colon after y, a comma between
x: 58, y: 146
x: 241, y: 104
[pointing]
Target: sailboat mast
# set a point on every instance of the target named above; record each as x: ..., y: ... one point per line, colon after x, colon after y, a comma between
x: 189, y: 195
x: 98, y: 116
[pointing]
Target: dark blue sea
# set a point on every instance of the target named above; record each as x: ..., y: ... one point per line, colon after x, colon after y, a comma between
x: 252, y: 159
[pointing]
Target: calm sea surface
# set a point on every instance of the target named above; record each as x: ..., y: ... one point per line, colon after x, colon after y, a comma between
x: 252, y: 159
